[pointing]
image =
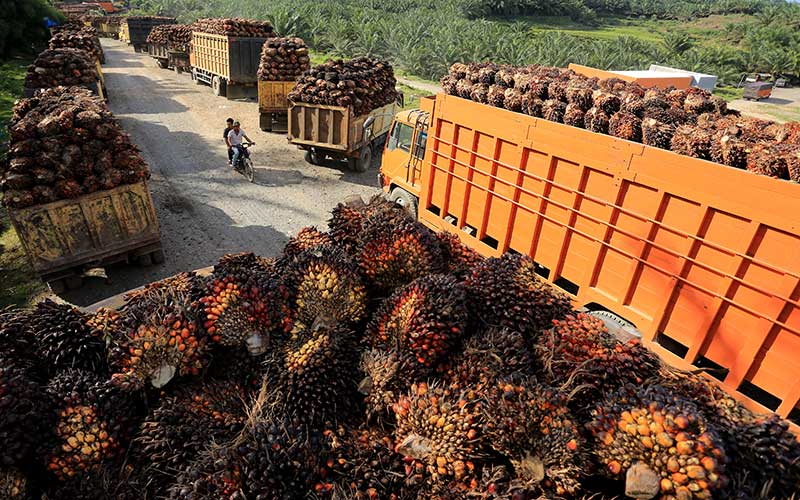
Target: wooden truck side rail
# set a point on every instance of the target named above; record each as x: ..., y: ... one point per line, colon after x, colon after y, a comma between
x: 703, y: 258
x: 69, y: 233
x: 234, y: 58
x: 157, y: 50
x: 272, y: 96
x: 335, y: 127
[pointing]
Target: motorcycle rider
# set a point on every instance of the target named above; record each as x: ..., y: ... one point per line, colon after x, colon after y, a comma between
x: 228, y: 127
x: 235, y: 136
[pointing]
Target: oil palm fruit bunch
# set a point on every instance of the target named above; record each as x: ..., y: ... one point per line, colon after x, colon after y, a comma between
x: 326, y: 287
x: 236, y: 27
x: 184, y: 423
x: 348, y: 220
x: 458, y: 257
x: 16, y: 339
x: 505, y: 291
x: 729, y: 149
x: 657, y: 134
x: 22, y: 410
x: 64, y: 340
x: 480, y: 93
x: 216, y: 474
x: 464, y: 88
x: 609, y: 103
x: 596, y: 120
x: 626, y: 126
x: 532, y: 426
x: 691, y: 140
x: 496, y: 96
x: 553, y: 110
x: 426, y: 318
x: 161, y: 339
x: 580, y: 95
x: 438, y: 431
x: 557, y: 90
x: 574, y: 116
x: 105, y: 323
x: 448, y: 84
x: 664, y: 433
x: 362, y: 462
x: 387, y: 375
x: 779, y: 160
x: 54, y: 67
x: 313, y: 377
x: 512, y: 99
x: 532, y: 105
x: 307, y: 239
x: 489, y: 354
x: 393, y: 253
x: 93, y: 422
x: 13, y: 484
x: 244, y: 264
x: 580, y: 352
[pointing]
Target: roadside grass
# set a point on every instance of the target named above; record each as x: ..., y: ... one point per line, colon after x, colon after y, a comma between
x: 412, y: 96
x: 729, y: 93
x: 20, y: 285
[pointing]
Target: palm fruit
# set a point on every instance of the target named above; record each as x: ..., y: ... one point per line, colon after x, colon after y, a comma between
x: 665, y: 433
x: 580, y: 353
x: 486, y: 74
x: 580, y: 96
x: 464, y: 88
x: 538, y: 88
x: 596, y: 120
x: 626, y: 126
x: 362, y: 462
x: 512, y: 99
x: 308, y: 238
x: 532, y: 105
x: 459, y: 70
x: 348, y: 221
x: 691, y: 140
x: 393, y: 253
x: 159, y: 340
x: 523, y: 79
x: 64, y: 340
x: 425, y: 318
x: 656, y: 133
x: 496, y: 96
x: 216, y: 474
x: 313, y: 377
x: 606, y: 102
x: 697, y: 103
x: 448, y: 84
x: 557, y: 90
x: 22, y: 410
x: 387, y: 374
x: 326, y: 287
x: 505, y: 291
x: 183, y: 424
x: 93, y: 422
x: 634, y: 105
x: 480, y: 93
x: 438, y: 431
x: 105, y: 323
x: 776, y: 160
x: 235, y: 365
x: 676, y: 97
x: 554, y: 110
x: 472, y: 72
x: 16, y: 339
x: 574, y: 116
x: 458, y: 257
x: 677, y: 116
x: 490, y: 354
x: 728, y: 149
x: 505, y: 76
x: 532, y: 426
x: 13, y: 484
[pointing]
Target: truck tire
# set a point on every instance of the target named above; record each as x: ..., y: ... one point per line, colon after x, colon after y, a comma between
x: 162, y: 63
x: 313, y: 157
x: 364, y: 160
x: 219, y: 86
x: 265, y: 121
x: 406, y: 200
x: 144, y: 260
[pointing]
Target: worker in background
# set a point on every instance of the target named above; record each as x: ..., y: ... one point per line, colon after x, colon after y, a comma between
x: 235, y: 136
x: 228, y: 127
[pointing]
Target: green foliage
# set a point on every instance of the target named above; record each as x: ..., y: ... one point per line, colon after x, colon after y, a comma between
x: 424, y: 38
x: 22, y: 26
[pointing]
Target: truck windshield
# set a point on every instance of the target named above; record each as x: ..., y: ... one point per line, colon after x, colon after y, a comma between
x: 401, y: 137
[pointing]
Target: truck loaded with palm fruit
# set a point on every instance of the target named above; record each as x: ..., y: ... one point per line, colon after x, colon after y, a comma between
x: 659, y: 210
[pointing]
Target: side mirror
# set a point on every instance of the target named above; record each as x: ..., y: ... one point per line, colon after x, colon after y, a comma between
x: 369, y: 122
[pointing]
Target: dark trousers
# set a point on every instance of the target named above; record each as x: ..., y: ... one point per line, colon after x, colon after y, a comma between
x: 230, y: 155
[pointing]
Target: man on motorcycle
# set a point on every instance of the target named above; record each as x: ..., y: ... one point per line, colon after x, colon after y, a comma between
x: 235, y: 136
x: 228, y: 127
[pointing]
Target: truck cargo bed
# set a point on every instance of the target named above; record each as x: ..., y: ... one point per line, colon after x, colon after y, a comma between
x: 701, y: 257
x: 335, y: 127
x: 235, y: 59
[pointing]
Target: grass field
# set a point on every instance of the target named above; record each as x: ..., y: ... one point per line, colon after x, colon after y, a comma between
x: 18, y: 283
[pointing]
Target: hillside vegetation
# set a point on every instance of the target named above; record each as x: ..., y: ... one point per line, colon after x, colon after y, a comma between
x: 424, y: 38
x: 22, y: 26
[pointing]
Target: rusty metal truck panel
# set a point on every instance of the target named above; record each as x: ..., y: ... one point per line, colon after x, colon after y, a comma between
x: 335, y: 127
x: 272, y: 96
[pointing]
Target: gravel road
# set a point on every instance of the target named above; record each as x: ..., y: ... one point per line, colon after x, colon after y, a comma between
x: 204, y: 208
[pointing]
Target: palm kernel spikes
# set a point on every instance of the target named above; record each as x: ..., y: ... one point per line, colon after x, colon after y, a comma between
x: 13, y: 484
x: 439, y: 429
x: 64, y: 340
x: 425, y: 318
x: 532, y: 426
x: 691, y: 140
x: 580, y: 350
x: 22, y: 411
x: 657, y: 134
x: 184, y: 423
x: 348, y: 221
x: 490, y: 354
x: 326, y: 287
x: 626, y: 126
x: 307, y: 239
x: 665, y: 433
x: 596, y: 120
x: 506, y: 292
x: 387, y: 374
x: 313, y: 376
x: 93, y: 422
x: 458, y: 257
x: 392, y: 254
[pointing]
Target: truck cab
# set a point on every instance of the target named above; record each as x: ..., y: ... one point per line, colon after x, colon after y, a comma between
x: 403, y: 155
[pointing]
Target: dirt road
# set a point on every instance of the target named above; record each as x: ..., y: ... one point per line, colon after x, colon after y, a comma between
x: 206, y: 209
x: 782, y: 106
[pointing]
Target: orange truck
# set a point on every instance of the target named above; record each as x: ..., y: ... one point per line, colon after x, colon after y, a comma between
x: 699, y: 259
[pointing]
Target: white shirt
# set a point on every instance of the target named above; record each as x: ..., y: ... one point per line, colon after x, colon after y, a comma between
x: 234, y: 138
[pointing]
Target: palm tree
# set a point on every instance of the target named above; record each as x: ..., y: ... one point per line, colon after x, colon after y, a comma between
x: 677, y: 43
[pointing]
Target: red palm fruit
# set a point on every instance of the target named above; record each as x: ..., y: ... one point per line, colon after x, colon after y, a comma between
x: 308, y: 238
x: 458, y: 257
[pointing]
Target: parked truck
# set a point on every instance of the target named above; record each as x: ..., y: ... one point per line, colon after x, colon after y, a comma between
x: 228, y: 64
x: 699, y: 259
x: 167, y: 58
x: 136, y: 29
x: 336, y: 132
x: 65, y: 237
x: 273, y: 105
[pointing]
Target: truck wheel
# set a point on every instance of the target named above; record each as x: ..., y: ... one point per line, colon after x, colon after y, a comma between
x: 364, y: 160
x: 405, y: 200
x: 265, y: 121
x: 144, y: 260
x: 313, y: 157
x: 218, y: 85
x: 162, y: 63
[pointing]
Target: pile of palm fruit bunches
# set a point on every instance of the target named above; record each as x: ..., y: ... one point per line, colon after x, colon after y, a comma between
x: 65, y: 67
x: 283, y: 59
x: 236, y: 27
x: 363, y: 83
x: 64, y: 143
x: 77, y: 35
x: 691, y: 122
x: 377, y: 360
x: 173, y: 36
